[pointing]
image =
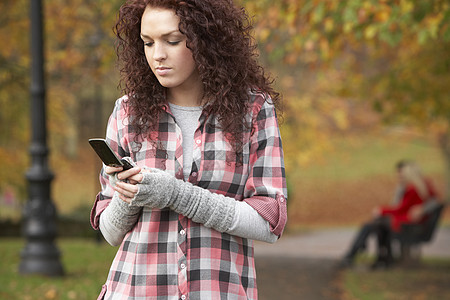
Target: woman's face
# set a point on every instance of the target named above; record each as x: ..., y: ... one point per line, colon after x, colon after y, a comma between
x: 165, y: 49
x: 402, y: 176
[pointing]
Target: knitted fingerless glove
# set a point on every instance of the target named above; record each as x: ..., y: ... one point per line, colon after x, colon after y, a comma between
x: 159, y: 189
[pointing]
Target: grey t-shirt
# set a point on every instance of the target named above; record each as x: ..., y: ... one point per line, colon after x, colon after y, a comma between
x: 187, y: 118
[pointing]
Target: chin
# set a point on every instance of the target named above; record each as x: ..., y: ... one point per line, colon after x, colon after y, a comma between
x: 167, y: 83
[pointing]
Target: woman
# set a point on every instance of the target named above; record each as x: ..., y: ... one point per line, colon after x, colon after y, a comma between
x: 199, y: 122
x: 414, y: 194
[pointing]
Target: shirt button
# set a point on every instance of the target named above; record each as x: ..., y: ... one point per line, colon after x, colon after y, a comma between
x: 194, y: 174
x: 199, y: 141
x: 183, y: 266
x: 281, y: 199
x: 182, y: 232
x: 183, y: 297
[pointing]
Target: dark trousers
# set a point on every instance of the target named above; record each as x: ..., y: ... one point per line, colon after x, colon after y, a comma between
x: 381, y: 228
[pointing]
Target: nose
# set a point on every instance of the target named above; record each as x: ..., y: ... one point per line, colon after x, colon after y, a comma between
x: 159, y: 52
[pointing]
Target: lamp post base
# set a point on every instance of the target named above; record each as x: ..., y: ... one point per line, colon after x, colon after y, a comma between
x: 40, y: 254
x: 40, y: 257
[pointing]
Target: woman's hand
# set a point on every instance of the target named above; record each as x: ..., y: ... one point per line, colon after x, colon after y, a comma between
x: 127, y: 180
x: 416, y: 213
x: 376, y: 212
x: 155, y: 190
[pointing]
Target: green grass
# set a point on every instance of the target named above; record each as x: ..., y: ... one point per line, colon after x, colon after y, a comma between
x: 356, y: 157
x: 428, y: 280
x: 85, y: 263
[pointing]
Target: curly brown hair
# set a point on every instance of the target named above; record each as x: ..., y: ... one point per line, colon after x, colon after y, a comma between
x: 219, y: 35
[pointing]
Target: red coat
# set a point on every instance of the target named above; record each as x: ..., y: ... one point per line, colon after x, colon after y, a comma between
x: 399, y: 213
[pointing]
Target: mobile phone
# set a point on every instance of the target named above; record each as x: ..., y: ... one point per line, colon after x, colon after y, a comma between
x: 107, y: 155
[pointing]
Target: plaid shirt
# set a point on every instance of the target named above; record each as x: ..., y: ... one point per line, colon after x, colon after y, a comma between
x: 168, y: 256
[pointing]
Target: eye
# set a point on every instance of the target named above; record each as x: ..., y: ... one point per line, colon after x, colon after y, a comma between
x: 148, y: 44
x: 173, y: 43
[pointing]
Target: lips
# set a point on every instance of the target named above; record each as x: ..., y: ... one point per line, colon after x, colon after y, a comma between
x: 161, y: 71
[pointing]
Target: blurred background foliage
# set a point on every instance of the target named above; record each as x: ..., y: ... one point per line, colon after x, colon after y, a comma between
x: 391, y: 54
x: 365, y: 82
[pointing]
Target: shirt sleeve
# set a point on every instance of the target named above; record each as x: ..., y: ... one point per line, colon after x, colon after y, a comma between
x: 248, y: 223
x: 114, y: 133
x: 265, y: 188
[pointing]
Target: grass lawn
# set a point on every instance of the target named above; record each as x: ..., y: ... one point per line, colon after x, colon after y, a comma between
x: 428, y: 280
x: 85, y: 262
x: 356, y: 157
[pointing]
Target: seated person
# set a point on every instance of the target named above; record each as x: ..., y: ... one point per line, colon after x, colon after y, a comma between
x: 415, y: 197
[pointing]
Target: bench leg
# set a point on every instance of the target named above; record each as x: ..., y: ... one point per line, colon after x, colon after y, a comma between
x: 410, y: 255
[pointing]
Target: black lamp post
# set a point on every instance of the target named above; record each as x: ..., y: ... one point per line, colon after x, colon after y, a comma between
x: 40, y: 255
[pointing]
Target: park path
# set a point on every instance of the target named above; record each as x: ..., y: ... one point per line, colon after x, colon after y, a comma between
x: 304, y: 266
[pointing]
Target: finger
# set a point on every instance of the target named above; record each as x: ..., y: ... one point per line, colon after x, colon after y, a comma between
x: 127, y: 190
x: 124, y: 199
x: 111, y: 170
x: 128, y: 173
x: 132, y: 181
x: 135, y: 179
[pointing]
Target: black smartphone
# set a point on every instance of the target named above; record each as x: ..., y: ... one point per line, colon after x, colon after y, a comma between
x: 108, y: 156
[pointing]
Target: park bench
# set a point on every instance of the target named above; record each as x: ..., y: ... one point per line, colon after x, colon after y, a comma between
x: 412, y: 236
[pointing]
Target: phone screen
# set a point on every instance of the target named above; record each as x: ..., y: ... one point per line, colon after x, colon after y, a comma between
x: 105, y: 153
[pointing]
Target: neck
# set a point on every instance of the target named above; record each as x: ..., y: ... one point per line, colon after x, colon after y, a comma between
x: 186, y: 97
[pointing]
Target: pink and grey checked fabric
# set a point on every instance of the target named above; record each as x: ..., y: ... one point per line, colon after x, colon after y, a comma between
x: 166, y: 255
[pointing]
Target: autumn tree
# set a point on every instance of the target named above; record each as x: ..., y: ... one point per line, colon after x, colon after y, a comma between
x: 395, y: 53
x: 81, y: 67
x: 14, y: 98
x: 80, y: 74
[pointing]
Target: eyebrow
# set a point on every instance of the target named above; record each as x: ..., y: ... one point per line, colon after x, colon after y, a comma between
x: 163, y: 35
